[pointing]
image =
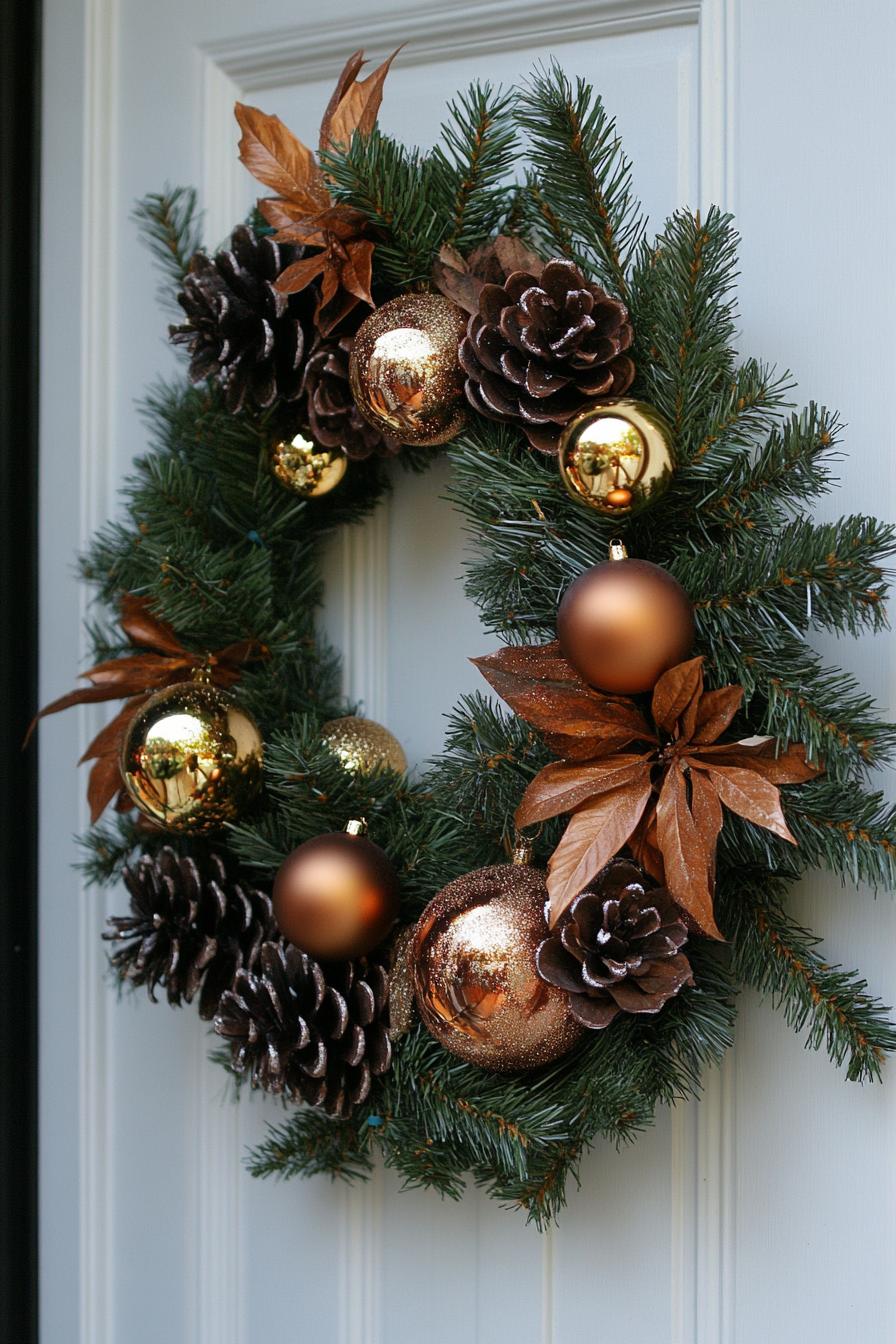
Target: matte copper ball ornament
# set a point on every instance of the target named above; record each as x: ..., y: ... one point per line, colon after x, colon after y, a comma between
x: 615, y: 456
x: 622, y: 624
x: 475, y: 982
x: 336, y: 896
x: 191, y: 758
x: 306, y: 468
x: 363, y: 746
x: 404, y: 372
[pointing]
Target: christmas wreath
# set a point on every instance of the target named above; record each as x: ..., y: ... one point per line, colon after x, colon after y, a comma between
x: 478, y: 969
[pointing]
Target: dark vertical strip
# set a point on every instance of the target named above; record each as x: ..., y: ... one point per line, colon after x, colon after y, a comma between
x: 19, y: 231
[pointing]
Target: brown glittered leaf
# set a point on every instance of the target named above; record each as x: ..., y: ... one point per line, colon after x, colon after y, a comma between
x: 514, y: 255
x: 715, y: 711
x: 749, y: 795
x: 595, y: 834
x: 759, y: 754
x: 357, y: 270
x: 277, y: 158
x: 562, y: 788
x: 453, y: 278
x: 359, y: 105
x: 686, y: 854
x: 103, y: 785
x: 300, y: 274
x: 540, y: 686
x: 145, y: 630
x: 675, y: 691
x: 645, y: 848
x: 708, y: 817
x: 347, y: 77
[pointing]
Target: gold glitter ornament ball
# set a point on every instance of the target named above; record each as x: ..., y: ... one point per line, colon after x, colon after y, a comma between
x: 306, y: 467
x: 475, y: 981
x: 191, y: 758
x: 615, y: 456
x: 404, y: 371
x: 363, y: 746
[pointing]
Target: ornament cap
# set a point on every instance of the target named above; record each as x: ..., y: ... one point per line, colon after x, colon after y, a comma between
x: 618, y: 549
x: 521, y: 854
x: 202, y: 675
x: 357, y: 826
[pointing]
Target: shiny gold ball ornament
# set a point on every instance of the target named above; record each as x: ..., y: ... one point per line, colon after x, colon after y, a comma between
x: 623, y: 623
x: 404, y: 371
x: 363, y: 746
x: 477, y: 989
x: 307, y: 468
x: 336, y: 896
x: 191, y: 758
x: 615, y: 456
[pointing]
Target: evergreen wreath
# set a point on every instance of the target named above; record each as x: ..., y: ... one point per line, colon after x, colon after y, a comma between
x: 661, y: 904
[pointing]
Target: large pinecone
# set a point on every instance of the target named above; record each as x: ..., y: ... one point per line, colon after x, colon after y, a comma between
x: 314, y: 1032
x: 192, y: 927
x: 541, y: 348
x: 333, y: 418
x: 239, y: 329
x: 618, y: 950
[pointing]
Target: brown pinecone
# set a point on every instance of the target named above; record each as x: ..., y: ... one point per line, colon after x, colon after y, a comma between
x: 541, y: 348
x: 333, y: 418
x: 315, y: 1032
x: 239, y: 330
x: 192, y: 927
x: 618, y: 950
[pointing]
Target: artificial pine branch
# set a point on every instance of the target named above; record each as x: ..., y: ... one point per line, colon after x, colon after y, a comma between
x: 584, y: 177
x: 169, y: 222
x: 311, y: 1143
x: 779, y: 958
x: 469, y: 175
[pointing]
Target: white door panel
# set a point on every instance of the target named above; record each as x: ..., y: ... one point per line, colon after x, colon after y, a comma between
x: 766, y: 1213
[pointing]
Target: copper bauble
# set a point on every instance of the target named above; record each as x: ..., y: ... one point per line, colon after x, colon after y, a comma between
x: 475, y: 980
x: 307, y: 468
x: 623, y: 623
x: 363, y: 746
x: 615, y: 456
x: 191, y: 758
x: 404, y: 372
x: 336, y: 896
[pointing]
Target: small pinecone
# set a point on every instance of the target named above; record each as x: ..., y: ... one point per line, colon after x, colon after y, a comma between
x: 192, y: 927
x: 314, y: 1032
x: 618, y: 950
x: 239, y: 329
x: 333, y: 418
x: 540, y: 349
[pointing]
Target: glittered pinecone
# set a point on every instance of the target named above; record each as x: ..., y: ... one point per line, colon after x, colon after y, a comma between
x: 314, y: 1032
x: 541, y: 348
x: 333, y: 418
x: 192, y: 927
x: 618, y: 950
x: 239, y: 329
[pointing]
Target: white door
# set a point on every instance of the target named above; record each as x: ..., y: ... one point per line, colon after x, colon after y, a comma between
x: 766, y: 1213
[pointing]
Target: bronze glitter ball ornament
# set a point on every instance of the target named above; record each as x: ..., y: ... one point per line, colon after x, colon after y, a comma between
x: 363, y: 746
x: 477, y: 988
x: 191, y: 758
x: 307, y: 468
x: 622, y: 624
x: 336, y: 896
x: 615, y: 456
x: 404, y: 371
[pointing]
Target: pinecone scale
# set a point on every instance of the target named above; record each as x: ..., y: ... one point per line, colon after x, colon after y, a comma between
x: 318, y: 1034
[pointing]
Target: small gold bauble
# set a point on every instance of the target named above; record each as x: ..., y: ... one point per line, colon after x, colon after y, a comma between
x: 475, y: 981
x: 404, y: 371
x: 615, y: 456
x: 191, y: 758
x: 306, y: 467
x: 363, y: 746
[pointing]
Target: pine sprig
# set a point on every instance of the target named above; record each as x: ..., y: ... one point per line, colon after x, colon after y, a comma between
x: 780, y: 959
x: 170, y: 223
x: 469, y: 175
x: 583, y: 175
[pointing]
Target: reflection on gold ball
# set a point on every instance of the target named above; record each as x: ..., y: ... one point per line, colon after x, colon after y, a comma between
x: 191, y: 759
x: 475, y: 980
x: 306, y: 467
x: 336, y: 896
x: 404, y: 372
x: 363, y: 746
x: 615, y: 456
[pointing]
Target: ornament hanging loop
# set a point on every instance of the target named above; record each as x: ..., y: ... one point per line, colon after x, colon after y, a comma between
x: 618, y: 549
